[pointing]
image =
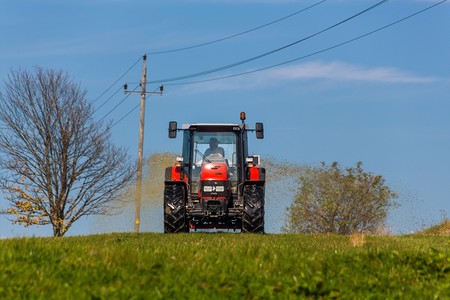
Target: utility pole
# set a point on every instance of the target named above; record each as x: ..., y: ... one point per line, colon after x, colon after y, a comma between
x: 143, y: 92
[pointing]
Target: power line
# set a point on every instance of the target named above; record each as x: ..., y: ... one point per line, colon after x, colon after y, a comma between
x: 109, y: 98
x: 196, y: 46
x: 316, y: 52
x: 247, y: 60
x: 267, y: 53
x: 129, y: 113
x: 115, y: 82
x: 240, y: 33
x: 115, y: 107
x: 295, y: 59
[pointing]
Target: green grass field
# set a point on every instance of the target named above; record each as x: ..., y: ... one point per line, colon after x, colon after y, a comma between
x: 225, y: 266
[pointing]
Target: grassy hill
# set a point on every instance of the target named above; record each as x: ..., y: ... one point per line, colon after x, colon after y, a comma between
x: 225, y: 266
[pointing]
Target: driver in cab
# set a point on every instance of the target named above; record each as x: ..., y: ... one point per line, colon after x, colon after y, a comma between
x: 214, y: 149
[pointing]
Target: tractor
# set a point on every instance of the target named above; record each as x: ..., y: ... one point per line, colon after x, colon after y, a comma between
x: 215, y: 184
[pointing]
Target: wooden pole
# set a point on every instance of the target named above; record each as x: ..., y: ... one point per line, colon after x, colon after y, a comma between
x: 137, y: 217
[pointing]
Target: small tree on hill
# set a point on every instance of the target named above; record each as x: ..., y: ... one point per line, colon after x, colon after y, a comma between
x: 58, y: 163
x: 344, y: 201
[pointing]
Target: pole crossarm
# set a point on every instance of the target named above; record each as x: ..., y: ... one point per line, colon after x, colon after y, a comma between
x: 161, y: 90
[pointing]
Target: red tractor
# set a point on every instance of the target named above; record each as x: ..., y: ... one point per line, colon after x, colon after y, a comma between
x: 215, y: 184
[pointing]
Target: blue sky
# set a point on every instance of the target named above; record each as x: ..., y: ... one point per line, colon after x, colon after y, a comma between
x: 382, y: 99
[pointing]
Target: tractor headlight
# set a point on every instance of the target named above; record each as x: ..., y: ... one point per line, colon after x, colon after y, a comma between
x: 253, y: 160
x: 179, y: 161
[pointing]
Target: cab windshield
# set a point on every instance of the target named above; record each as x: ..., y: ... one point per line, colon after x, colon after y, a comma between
x: 213, y: 147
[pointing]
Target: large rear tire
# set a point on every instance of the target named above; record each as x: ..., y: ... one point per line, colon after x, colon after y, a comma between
x: 174, y: 209
x: 253, y: 215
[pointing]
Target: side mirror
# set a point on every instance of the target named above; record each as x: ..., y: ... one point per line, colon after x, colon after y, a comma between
x: 172, y: 129
x: 259, y: 130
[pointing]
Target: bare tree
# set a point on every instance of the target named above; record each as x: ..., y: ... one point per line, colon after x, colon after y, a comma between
x: 333, y: 200
x: 58, y: 164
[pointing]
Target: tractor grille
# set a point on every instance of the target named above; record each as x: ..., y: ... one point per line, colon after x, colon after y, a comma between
x: 214, y: 189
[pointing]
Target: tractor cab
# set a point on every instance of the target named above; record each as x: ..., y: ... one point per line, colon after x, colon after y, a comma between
x: 211, y: 151
x: 213, y: 173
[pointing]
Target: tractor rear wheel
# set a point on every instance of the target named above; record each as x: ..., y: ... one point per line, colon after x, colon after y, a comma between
x: 253, y: 215
x: 174, y: 209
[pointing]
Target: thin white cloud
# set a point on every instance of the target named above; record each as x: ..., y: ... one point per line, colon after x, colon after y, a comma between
x: 347, y: 72
x: 334, y: 71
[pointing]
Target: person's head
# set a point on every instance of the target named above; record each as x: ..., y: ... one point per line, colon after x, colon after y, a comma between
x: 213, y: 143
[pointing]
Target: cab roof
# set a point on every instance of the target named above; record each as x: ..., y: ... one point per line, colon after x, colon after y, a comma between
x: 214, y: 126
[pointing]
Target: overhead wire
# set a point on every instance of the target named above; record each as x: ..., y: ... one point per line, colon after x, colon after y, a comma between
x: 118, y: 104
x: 313, y: 53
x: 256, y: 57
x: 240, y: 33
x: 165, y: 80
x: 129, y: 113
x: 109, y: 98
x: 199, y: 45
x: 295, y: 59
x: 115, y: 82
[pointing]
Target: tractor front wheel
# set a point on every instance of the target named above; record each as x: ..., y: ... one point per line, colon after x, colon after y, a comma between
x: 253, y: 215
x: 174, y: 209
